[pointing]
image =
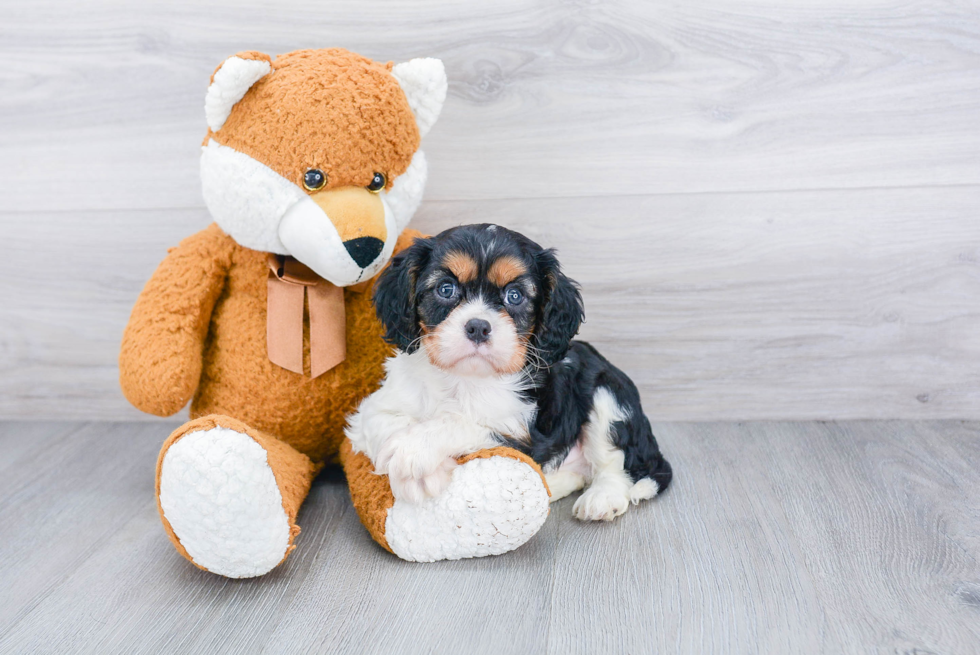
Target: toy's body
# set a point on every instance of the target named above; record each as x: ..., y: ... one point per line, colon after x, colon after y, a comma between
x: 311, y: 170
x: 229, y: 372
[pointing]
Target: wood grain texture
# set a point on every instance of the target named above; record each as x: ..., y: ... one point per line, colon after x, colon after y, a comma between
x: 797, y: 308
x: 775, y: 537
x: 547, y: 98
x: 772, y: 207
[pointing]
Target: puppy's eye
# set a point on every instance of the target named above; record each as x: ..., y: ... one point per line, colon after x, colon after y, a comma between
x: 314, y: 179
x: 378, y: 182
x: 446, y: 290
x: 513, y: 296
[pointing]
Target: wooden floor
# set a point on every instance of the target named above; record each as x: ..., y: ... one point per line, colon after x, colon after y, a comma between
x: 775, y: 538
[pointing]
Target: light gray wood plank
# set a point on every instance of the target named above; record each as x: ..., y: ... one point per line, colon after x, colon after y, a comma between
x: 145, y: 598
x: 817, y: 304
x: 337, y: 575
x: 547, y: 98
x: 952, y: 456
x: 60, y: 504
x: 779, y: 538
x: 871, y: 528
x: 22, y: 440
x: 775, y: 537
x: 67, y: 301
x: 597, y: 127
x: 367, y: 600
x: 711, y: 566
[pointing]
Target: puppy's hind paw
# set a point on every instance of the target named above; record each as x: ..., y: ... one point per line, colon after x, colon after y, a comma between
x: 598, y: 504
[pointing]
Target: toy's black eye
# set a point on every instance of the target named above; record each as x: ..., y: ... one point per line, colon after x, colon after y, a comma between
x: 378, y: 182
x: 446, y: 290
x: 314, y: 180
x: 513, y: 296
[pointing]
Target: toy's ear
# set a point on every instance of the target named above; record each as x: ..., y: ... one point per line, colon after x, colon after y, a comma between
x: 424, y: 83
x: 562, y: 311
x: 394, y: 296
x: 232, y: 79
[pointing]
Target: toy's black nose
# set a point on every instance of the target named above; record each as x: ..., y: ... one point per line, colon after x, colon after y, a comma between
x: 364, y: 250
x: 477, y: 330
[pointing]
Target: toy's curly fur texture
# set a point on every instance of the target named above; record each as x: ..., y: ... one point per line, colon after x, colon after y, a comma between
x: 293, y: 471
x: 296, y: 118
x: 200, y: 325
x: 370, y: 493
x: 198, y: 330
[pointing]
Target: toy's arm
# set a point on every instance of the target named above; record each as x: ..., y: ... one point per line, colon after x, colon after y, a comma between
x: 162, y: 347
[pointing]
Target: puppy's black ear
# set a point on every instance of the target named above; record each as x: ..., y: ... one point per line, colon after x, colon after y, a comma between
x: 394, y: 296
x: 561, y: 311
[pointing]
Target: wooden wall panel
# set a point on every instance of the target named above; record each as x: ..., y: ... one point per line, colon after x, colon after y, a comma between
x: 774, y: 211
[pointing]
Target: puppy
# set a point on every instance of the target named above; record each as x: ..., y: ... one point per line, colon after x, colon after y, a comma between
x: 483, y: 319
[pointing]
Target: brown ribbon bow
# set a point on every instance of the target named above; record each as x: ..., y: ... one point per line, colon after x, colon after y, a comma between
x: 288, y: 281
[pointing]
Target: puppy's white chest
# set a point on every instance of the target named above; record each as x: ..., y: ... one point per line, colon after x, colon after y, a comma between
x: 492, y: 403
x: 479, y: 407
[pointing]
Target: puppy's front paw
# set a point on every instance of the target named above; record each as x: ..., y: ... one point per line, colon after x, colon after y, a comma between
x: 437, y: 481
x: 414, y: 473
x: 407, y: 489
x: 599, y: 504
x: 416, y: 489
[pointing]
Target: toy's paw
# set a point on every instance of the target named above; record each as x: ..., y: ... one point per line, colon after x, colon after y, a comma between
x: 415, y: 474
x: 600, y: 504
x: 491, y: 506
x: 220, y: 497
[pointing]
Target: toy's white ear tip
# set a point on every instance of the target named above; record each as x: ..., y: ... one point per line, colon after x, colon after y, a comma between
x: 425, y: 84
x: 230, y: 84
x: 429, y: 68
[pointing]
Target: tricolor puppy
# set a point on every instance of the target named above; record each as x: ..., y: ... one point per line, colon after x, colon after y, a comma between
x: 484, y: 318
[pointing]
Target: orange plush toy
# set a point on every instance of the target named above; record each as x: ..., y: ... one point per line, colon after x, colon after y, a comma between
x: 311, y: 169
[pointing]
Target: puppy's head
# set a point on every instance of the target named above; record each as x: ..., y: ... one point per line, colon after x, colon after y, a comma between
x: 483, y: 300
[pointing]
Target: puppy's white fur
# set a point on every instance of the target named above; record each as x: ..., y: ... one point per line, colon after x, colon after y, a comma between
x: 424, y: 416
x: 449, y: 348
x: 452, y: 397
x: 595, y: 461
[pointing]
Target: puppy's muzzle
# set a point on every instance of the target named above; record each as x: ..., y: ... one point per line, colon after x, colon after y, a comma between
x: 477, y: 330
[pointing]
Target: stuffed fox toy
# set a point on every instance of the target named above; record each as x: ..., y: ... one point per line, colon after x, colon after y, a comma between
x: 311, y: 170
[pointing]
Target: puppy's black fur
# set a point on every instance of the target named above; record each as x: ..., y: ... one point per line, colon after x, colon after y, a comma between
x: 406, y: 302
x: 564, y: 374
x: 564, y: 395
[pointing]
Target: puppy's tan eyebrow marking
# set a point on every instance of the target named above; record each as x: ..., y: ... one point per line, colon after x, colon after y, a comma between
x: 461, y: 265
x: 505, y: 270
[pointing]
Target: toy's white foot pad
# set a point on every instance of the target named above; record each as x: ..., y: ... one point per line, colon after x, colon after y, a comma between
x: 220, y: 497
x: 492, y: 506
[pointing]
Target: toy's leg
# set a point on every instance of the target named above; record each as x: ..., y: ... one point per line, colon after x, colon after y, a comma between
x: 497, y: 500
x: 228, y: 495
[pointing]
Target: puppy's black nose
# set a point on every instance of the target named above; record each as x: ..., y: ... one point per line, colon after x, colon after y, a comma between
x: 477, y: 330
x: 364, y: 250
